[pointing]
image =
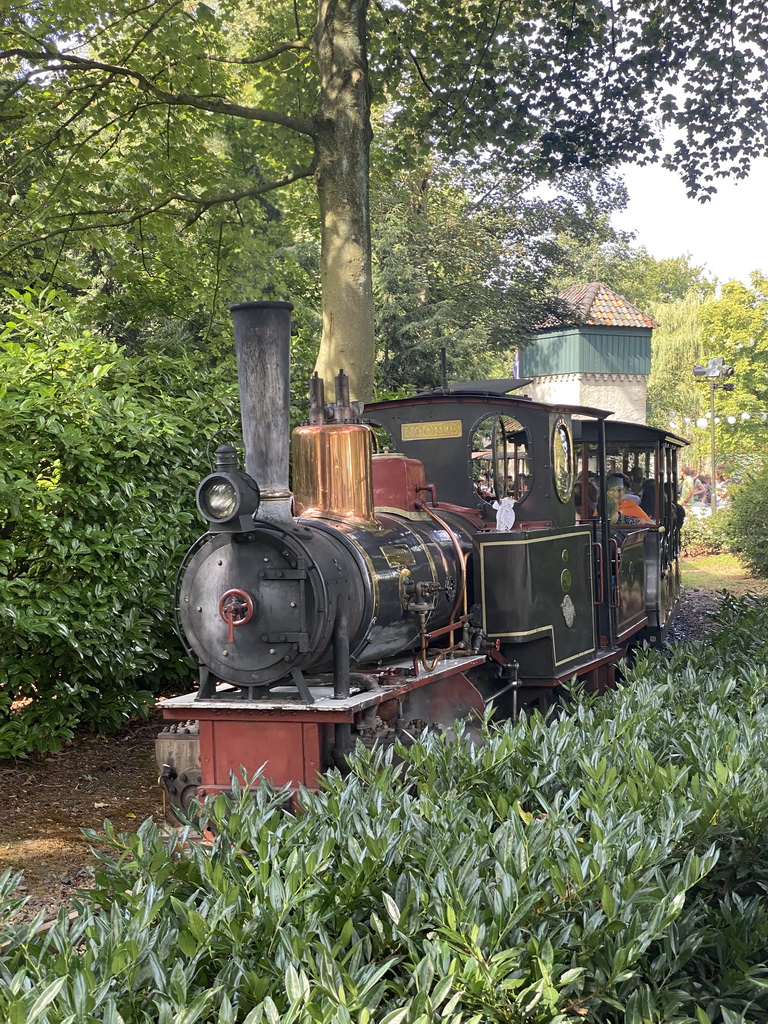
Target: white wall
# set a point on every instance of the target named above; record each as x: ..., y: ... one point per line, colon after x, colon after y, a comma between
x: 622, y: 393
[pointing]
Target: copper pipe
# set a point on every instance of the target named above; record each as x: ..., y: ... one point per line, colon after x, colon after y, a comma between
x: 461, y: 594
x: 450, y: 628
x: 438, y: 657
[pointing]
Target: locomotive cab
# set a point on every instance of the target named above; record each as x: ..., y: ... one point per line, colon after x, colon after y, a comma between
x: 647, y: 458
x: 533, y: 572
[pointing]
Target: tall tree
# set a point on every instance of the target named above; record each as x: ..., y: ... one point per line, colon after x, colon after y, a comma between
x: 677, y: 346
x: 535, y: 87
x: 637, y: 275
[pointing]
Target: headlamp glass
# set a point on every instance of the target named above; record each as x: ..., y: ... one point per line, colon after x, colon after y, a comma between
x: 220, y: 499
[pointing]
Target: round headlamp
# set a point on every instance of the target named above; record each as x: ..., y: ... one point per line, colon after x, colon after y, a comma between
x: 218, y: 499
x: 223, y: 498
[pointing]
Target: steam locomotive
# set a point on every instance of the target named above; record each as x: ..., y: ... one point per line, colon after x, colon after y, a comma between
x: 434, y: 555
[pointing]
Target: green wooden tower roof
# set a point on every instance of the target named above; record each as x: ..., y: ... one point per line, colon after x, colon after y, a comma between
x: 602, y: 333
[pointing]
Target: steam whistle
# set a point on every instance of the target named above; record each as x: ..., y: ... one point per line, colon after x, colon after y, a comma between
x: 316, y: 400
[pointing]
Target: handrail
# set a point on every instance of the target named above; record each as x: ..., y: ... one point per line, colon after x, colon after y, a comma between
x: 600, y: 572
x: 615, y: 588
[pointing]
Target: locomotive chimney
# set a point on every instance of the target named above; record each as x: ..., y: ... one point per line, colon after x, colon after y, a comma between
x: 263, y: 346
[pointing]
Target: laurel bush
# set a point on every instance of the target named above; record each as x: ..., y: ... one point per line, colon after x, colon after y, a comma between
x: 706, y: 535
x: 99, y: 457
x: 607, y: 866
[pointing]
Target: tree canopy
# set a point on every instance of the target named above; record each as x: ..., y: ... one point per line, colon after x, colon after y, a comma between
x: 735, y: 326
x: 146, y: 118
x: 694, y: 329
x: 470, y: 261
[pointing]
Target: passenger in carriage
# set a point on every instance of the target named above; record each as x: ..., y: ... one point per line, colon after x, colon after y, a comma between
x: 648, y: 498
x: 593, y: 498
x: 635, y: 489
x: 623, y: 511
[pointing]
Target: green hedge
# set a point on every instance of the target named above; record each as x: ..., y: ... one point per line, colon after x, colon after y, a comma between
x: 99, y: 458
x: 706, y: 535
x: 609, y: 867
x: 748, y: 521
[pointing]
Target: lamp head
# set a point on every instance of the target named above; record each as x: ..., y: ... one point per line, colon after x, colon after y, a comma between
x: 715, y: 368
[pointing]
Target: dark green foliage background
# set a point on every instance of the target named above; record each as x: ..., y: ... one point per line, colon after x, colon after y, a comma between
x: 100, y: 454
x: 606, y: 867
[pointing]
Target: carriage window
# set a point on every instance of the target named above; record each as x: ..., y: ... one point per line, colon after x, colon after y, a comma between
x: 562, y: 460
x: 500, y: 459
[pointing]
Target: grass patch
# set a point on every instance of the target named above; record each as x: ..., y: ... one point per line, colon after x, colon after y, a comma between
x: 721, y: 572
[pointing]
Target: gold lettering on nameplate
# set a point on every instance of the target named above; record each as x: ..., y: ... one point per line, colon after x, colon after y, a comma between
x: 427, y: 431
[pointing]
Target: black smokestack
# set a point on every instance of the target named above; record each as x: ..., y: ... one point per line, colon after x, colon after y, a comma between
x: 263, y: 346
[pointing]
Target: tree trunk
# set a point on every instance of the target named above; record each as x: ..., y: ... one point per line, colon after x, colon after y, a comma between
x: 343, y: 136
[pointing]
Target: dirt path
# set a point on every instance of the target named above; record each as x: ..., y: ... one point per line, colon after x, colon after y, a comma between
x: 49, y: 799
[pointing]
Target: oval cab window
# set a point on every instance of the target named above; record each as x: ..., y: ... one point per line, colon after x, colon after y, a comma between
x: 500, y: 459
x: 562, y: 460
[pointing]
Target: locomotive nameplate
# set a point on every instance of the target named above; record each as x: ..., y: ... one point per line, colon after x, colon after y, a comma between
x: 397, y: 554
x: 432, y: 430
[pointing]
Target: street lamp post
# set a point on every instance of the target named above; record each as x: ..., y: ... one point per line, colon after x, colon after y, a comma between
x: 714, y: 373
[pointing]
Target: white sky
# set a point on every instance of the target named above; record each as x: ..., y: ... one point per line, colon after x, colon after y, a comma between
x: 728, y: 235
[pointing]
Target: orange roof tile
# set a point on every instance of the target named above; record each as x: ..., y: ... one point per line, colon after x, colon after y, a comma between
x: 599, y: 306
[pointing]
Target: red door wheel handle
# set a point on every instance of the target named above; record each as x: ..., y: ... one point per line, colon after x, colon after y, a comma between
x: 235, y: 608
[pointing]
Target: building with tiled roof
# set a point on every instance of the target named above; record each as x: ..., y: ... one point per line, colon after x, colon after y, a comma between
x: 598, y: 305
x: 596, y: 353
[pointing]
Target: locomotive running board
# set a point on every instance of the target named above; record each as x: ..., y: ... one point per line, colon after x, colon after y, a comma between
x: 395, y: 680
x: 289, y: 742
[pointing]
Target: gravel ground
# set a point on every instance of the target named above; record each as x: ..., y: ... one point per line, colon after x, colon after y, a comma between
x: 694, y: 616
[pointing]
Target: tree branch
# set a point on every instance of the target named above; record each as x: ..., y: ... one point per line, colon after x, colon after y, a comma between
x: 296, y: 44
x: 409, y: 51
x: 296, y: 17
x: 205, y: 203
x: 112, y: 25
x: 150, y: 29
x: 212, y: 103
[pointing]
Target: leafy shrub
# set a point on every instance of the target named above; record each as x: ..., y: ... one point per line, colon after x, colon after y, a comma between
x: 748, y: 521
x: 705, y: 535
x: 607, y: 867
x: 99, y: 458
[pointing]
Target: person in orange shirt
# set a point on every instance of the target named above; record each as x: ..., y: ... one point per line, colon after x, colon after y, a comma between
x: 622, y: 510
